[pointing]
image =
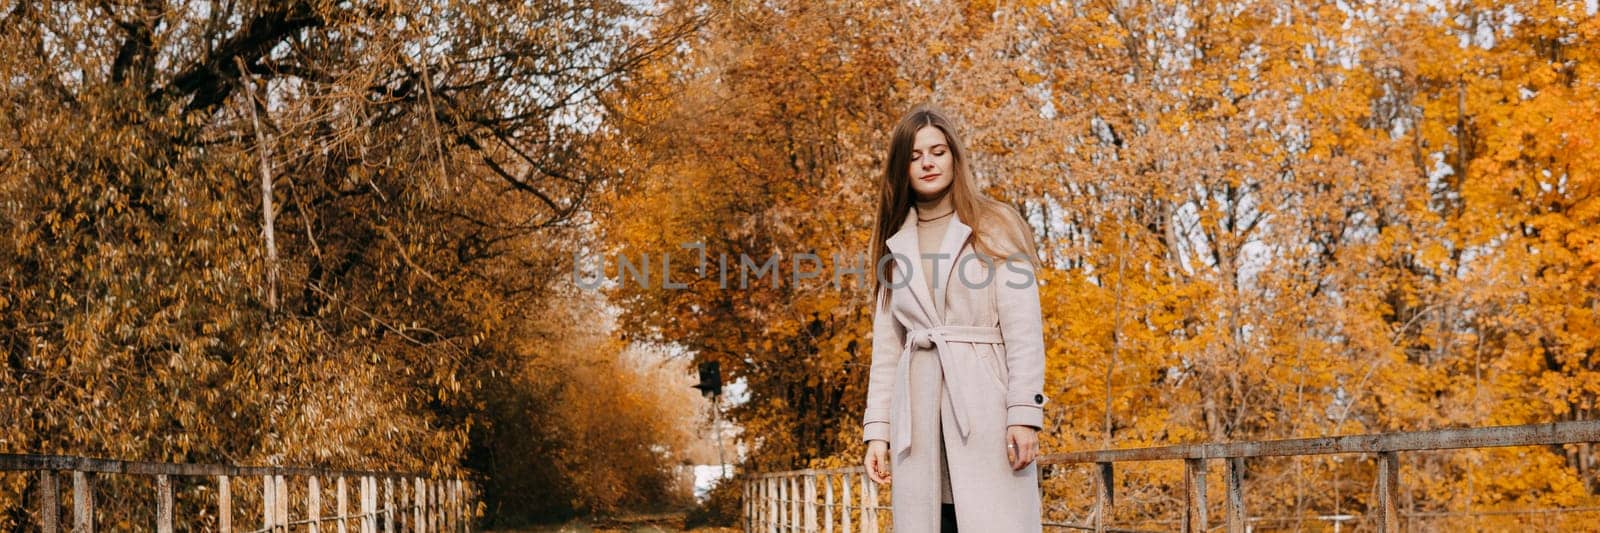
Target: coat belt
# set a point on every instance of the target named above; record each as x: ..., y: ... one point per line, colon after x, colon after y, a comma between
x: 957, y: 377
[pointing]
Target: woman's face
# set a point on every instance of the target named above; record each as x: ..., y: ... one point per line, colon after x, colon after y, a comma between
x: 931, y: 163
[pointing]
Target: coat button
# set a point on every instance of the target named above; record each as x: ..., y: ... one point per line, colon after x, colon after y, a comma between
x: 1038, y: 399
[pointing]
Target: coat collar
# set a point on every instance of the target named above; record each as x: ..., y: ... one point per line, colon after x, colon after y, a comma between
x: 905, y: 244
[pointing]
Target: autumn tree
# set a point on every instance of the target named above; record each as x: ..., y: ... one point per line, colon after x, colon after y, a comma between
x: 312, y: 233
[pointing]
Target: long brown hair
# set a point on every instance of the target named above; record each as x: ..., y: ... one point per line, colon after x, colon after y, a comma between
x: 998, y: 230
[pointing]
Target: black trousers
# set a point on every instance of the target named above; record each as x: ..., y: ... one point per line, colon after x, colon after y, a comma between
x: 947, y: 511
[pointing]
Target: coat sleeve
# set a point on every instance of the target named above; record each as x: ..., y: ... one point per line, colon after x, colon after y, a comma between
x: 888, y: 337
x: 1022, y: 327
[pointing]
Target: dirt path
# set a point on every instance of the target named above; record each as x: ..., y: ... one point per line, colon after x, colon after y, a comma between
x: 656, y: 523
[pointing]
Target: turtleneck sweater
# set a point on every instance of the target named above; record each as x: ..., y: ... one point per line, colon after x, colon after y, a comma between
x: 930, y: 235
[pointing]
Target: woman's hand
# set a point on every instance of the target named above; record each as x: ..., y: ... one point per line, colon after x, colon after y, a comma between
x: 1022, y: 445
x: 877, y: 462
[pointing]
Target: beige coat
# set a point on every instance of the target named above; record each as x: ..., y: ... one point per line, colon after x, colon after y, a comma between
x: 961, y: 363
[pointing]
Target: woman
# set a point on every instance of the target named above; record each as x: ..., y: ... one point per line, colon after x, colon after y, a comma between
x: 955, y: 397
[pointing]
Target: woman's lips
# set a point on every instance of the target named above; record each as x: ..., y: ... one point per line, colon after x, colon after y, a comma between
x: 930, y: 177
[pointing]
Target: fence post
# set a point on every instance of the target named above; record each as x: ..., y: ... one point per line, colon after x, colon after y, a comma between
x: 268, y: 495
x: 844, y: 496
x: 282, y: 501
x: 433, y: 504
x: 1104, y: 495
x: 314, y: 503
x: 772, y: 505
x: 82, y: 503
x: 827, y: 503
x: 343, y: 501
x: 377, y: 501
x: 419, y: 499
x: 1236, y: 513
x: 794, y: 502
x: 869, y: 504
x: 224, y: 505
x: 785, y: 515
x: 810, y: 494
x: 1194, y: 508
x: 1388, y: 492
x: 49, y: 506
x: 163, y: 504
x: 458, y: 522
x: 371, y: 497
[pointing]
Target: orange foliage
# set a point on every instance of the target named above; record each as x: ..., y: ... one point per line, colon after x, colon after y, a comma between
x: 1267, y: 220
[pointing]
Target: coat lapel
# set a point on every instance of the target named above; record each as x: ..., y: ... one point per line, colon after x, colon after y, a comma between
x: 905, y: 244
x: 955, y: 236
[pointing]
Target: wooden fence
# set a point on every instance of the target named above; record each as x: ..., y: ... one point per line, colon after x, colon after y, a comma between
x: 790, y: 501
x: 805, y: 500
x: 385, y: 501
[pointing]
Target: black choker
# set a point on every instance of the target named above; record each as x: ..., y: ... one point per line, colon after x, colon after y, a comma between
x: 920, y: 219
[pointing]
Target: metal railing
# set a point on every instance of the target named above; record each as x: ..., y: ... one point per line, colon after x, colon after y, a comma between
x: 426, y: 503
x: 789, y: 501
